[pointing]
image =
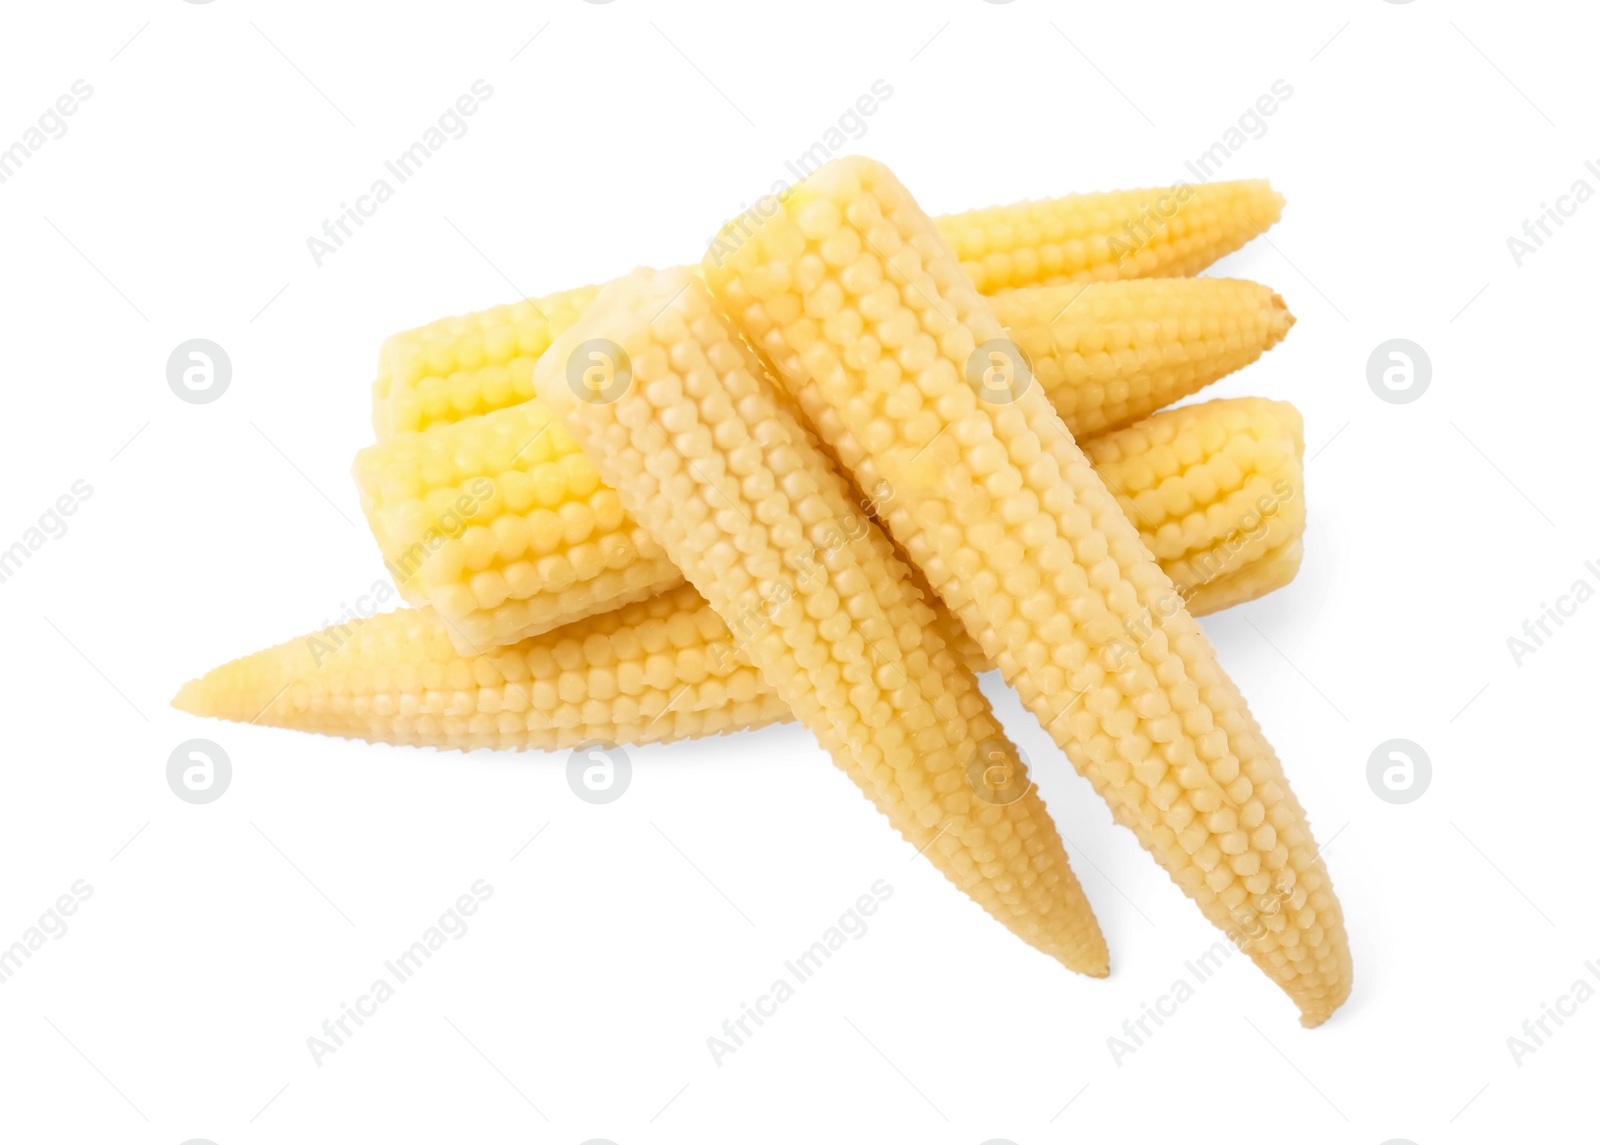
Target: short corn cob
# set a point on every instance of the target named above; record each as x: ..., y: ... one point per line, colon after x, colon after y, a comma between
x: 551, y: 544
x: 1216, y: 490
x: 878, y: 332
x: 474, y: 363
x: 1217, y: 493
x: 1109, y: 353
x: 502, y: 525
x: 1157, y: 232
x: 699, y: 444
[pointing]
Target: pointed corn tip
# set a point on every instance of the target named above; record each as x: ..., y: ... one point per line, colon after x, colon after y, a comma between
x: 194, y: 699
x: 1283, y: 321
x: 1094, y: 962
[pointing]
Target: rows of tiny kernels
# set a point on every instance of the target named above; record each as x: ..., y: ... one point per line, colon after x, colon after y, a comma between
x: 1069, y: 239
x: 1110, y: 353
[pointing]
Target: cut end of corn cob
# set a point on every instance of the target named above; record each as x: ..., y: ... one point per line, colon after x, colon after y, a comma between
x: 1155, y: 232
x: 699, y: 444
x: 502, y: 525
x: 879, y: 334
x: 467, y: 364
x: 1217, y: 493
x: 1109, y: 353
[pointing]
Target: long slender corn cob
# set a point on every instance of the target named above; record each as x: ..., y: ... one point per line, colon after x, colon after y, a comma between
x: 880, y: 335
x: 1216, y: 490
x: 551, y: 544
x: 699, y: 444
x: 1156, y: 232
x: 645, y: 673
x: 1109, y: 353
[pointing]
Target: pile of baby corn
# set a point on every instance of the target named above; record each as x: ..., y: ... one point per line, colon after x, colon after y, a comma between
x: 854, y: 457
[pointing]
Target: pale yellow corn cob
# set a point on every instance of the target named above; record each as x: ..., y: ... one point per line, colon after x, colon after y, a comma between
x: 551, y: 544
x: 1109, y: 353
x: 699, y: 444
x: 645, y: 673
x: 880, y: 335
x: 1156, y: 232
x: 1217, y: 488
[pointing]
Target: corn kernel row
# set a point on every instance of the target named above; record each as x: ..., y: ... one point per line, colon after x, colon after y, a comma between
x: 1156, y: 232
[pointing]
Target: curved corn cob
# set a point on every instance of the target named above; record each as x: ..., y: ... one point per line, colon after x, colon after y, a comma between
x: 1216, y: 488
x: 1156, y: 232
x: 699, y: 444
x: 1109, y: 353
x: 645, y: 673
x: 881, y: 337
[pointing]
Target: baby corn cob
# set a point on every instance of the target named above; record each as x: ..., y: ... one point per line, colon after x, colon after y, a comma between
x: 548, y: 544
x: 1109, y: 353
x: 1158, y: 232
x: 460, y: 366
x: 502, y: 525
x: 1216, y: 491
x: 645, y: 673
x: 879, y: 333
x: 699, y: 444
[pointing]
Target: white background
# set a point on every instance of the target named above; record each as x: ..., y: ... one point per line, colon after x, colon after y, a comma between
x: 218, y: 938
